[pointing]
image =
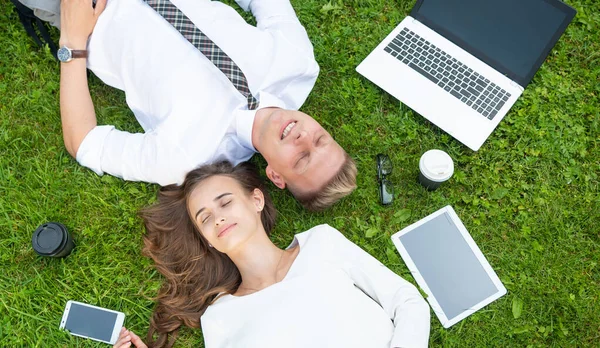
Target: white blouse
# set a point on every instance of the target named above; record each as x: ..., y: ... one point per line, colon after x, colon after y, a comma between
x: 334, y: 295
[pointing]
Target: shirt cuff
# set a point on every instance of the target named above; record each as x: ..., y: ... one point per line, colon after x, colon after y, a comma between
x: 89, y: 153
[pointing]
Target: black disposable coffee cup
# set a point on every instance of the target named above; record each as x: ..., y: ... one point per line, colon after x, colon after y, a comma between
x: 435, y: 167
x: 52, y: 239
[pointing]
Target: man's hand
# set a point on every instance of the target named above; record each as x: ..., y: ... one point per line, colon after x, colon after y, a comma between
x: 128, y: 339
x: 77, y: 21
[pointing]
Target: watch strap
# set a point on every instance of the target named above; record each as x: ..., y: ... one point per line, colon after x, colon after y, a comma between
x: 79, y: 53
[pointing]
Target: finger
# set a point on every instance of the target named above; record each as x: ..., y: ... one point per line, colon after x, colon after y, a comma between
x: 63, y: 8
x: 123, y: 333
x: 124, y: 338
x: 137, y: 341
x: 125, y: 345
x: 100, y: 6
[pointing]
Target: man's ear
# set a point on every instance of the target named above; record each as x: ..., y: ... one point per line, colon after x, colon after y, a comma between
x: 275, y: 177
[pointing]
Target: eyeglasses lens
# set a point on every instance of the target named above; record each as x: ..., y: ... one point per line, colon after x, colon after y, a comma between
x: 384, y: 166
x: 386, y: 190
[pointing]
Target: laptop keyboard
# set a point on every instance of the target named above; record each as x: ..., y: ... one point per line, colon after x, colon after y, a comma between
x: 454, y: 77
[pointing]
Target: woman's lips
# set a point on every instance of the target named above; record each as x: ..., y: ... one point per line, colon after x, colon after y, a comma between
x: 225, y: 230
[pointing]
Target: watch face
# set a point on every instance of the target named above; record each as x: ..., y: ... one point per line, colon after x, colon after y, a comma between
x: 63, y: 54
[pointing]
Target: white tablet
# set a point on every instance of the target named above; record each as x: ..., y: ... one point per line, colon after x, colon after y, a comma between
x: 448, y: 266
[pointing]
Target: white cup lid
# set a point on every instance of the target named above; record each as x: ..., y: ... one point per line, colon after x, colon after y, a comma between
x: 436, y: 165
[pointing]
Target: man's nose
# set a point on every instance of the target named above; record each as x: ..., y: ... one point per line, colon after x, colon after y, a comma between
x: 302, y: 137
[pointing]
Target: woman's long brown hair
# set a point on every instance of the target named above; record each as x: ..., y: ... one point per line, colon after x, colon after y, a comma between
x: 195, y: 274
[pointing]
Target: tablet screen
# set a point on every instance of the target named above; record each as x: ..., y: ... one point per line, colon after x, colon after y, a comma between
x: 446, y: 262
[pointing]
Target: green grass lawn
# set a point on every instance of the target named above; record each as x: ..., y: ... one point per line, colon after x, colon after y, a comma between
x: 529, y: 197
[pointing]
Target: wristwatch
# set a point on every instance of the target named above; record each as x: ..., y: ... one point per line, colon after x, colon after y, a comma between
x: 65, y: 54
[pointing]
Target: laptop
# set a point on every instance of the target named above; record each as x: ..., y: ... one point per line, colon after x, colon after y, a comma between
x: 462, y: 64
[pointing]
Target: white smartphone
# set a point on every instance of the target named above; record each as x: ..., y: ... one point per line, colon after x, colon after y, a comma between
x: 96, y: 323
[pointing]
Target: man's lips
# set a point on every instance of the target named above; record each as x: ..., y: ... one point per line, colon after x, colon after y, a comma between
x: 283, y: 127
x: 225, y: 230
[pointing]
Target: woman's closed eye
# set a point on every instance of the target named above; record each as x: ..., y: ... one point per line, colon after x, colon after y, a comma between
x: 206, y: 217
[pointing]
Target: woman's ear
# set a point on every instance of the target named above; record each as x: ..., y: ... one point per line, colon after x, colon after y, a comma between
x: 259, y: 199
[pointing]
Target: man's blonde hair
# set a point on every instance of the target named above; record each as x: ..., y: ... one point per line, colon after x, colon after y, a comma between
x: 341, y: 185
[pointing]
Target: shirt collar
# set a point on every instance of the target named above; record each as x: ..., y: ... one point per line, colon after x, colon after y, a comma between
x: 244, y: 119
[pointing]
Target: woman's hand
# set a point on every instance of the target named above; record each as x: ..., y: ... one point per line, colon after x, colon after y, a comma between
x: 77, y: 21
x: 128, y: 339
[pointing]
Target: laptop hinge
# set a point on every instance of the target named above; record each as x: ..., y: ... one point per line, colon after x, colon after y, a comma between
x: 516, y: 85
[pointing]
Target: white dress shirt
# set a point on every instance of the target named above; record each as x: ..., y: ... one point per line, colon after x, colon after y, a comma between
x: 190, y: 112
x: 334, y: 295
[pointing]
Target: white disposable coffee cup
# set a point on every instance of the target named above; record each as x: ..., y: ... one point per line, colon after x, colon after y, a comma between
x: 435, y: 167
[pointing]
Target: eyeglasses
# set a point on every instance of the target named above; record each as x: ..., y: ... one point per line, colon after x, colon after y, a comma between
x: 386, y: 190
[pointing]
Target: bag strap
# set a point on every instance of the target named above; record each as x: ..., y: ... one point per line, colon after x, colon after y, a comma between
x: 28, y: 19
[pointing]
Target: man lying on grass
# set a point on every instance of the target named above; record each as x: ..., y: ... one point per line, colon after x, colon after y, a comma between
x: 234, y: 93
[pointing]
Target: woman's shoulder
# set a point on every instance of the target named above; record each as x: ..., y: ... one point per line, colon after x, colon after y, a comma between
x: 319, y: 233
x: 219, y: 308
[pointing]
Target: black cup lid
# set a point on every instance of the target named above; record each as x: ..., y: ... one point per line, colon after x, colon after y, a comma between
x: 49, y: 238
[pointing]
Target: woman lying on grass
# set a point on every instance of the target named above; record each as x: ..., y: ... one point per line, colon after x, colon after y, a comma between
x: 209, y: 238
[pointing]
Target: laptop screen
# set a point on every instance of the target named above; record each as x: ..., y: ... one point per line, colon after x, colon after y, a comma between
x: 512, y: 36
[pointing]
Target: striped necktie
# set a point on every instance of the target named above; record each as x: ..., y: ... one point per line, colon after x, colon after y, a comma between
x: 197, y: 38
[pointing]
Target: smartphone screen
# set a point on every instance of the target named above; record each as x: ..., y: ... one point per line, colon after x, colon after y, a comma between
x: 90, y: 322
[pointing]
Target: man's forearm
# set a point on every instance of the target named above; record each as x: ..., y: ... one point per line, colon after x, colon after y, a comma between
x: 76, y: 106
x: 77, y: 20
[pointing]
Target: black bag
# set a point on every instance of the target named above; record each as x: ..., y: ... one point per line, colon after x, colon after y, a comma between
x: 30, y: 22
